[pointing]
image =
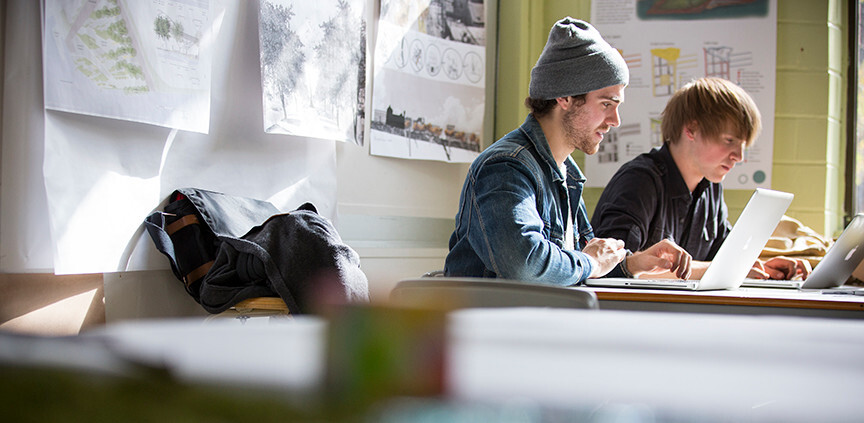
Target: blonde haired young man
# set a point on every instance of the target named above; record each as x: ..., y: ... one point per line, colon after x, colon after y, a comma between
x: 674, y: 192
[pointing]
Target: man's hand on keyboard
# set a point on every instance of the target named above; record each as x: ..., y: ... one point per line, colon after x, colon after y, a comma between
x: 783, y: 268
x: 664, y: 256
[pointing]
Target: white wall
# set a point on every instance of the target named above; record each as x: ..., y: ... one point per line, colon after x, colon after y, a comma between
x: 397, y: 214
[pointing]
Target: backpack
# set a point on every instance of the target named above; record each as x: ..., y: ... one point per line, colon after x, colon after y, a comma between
x: 227, y: 249
x: 188, y: 230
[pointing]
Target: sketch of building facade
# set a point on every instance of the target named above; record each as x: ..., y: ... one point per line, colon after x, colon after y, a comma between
x: 717, y: 61
x: 664, y: 70
x: 421, y: 130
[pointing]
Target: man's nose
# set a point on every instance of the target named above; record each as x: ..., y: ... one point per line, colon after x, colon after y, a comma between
x: 614, y: 119
x: 738, y: 153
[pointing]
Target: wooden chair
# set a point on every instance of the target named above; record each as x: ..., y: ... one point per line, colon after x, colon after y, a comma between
x: 255, y: 307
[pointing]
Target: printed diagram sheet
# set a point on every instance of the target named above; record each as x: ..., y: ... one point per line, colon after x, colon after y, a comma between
x: 313, y: 67
x: 429, y: 80
x: 667, y: 44
x: 139, y: 60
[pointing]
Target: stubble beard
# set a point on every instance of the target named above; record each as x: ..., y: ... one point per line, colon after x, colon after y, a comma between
x: 579, y: 138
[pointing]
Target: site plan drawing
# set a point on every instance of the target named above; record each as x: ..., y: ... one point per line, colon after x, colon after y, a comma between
x: 145, y: 61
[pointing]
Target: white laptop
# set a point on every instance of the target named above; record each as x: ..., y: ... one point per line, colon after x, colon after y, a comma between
x: 834, y: 269
x: 735, y: 257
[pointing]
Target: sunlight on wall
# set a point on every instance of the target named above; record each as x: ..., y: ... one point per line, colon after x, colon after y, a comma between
x: 64, y: 317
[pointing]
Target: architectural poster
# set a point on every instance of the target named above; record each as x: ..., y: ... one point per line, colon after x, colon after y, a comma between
x: 429, y: 80
x: 666, y: 44
x: 140, y: 60
x: 313, y: 68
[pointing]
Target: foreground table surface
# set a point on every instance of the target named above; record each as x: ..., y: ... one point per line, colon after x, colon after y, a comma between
x: 782, y: 368
x: 710, y: 367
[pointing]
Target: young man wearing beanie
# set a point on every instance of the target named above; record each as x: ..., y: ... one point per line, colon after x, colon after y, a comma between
x: 521, y: 214
x: 674, y: 191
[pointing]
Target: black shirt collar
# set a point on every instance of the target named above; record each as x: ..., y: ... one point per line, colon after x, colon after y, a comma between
x: 675, y: 182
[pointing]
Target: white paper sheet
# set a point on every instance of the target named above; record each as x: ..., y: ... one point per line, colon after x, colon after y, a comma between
x: 25, y: 239
x: 313, y: 66
x: 429, y: 81
x: 144, y: 61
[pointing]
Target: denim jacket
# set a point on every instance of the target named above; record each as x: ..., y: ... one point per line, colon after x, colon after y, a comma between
x: 511, y: 217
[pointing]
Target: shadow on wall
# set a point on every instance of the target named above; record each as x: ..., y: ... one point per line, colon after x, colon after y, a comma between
x: 47, y: 304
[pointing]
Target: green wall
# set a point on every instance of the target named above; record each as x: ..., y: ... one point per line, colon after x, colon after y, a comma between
x: 810, y: 110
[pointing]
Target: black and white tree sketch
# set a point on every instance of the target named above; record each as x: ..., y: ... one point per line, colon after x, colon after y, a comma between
x: 339, y: 51
x: 282, y: 57
x: 313, y: 67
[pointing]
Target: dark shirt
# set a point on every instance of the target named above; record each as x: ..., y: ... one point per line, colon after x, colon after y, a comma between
x: 647, y: 201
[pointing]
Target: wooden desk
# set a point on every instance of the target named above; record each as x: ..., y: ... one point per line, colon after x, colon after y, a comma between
x: 739, y: 301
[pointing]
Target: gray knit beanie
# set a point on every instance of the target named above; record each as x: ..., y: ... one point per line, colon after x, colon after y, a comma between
x: 576, y: 60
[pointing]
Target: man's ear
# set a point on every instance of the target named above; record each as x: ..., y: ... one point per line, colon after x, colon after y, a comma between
x: 690, y: 130
x: 564, y: 102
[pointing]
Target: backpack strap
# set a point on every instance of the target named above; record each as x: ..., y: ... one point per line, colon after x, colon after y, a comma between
x: 181, y: 223
x: 197, y: 273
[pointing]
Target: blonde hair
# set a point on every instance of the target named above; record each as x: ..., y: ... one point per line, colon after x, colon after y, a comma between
x: 715, y: 105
